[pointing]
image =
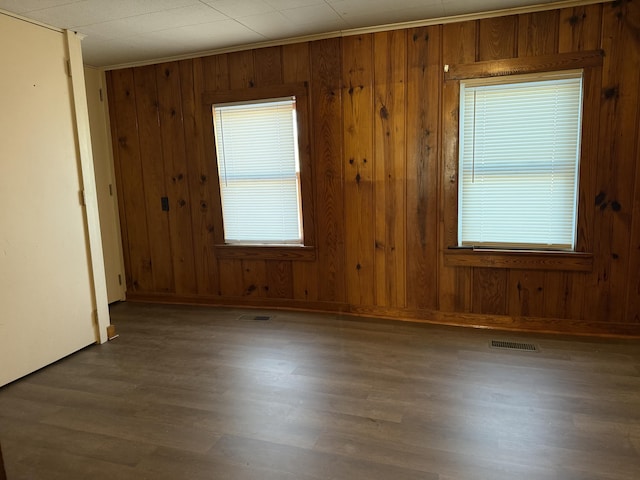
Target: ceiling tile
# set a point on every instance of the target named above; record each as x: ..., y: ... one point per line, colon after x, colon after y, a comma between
x: 236, y: 8
x: 98, y: 51
x: 24, y: 6
x: 150, y: 22
x: 317, y: 18
x: 374, y: 17
x: 272, y: 25
x: 88, y: 12
x: 286, y: 4
x: 167, y: 43
x: 122, y: 31
x: 361, y: 7
x: 421, y: 13
x: 206, y: 36
x: 460, y: 7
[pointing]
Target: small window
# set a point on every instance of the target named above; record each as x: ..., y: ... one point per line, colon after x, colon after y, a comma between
x: 259, y: 171
x: 519, y: 160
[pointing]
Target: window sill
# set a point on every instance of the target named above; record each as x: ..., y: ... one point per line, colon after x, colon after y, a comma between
x: 266, y: 252
x: 523, y: 259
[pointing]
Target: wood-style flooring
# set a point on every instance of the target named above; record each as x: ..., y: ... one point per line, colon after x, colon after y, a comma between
x: 203, y: 393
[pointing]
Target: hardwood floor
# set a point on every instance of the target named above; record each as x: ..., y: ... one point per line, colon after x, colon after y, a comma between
x: 199, y: 393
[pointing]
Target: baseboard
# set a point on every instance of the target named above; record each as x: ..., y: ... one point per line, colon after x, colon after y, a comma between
x: 471, y: 320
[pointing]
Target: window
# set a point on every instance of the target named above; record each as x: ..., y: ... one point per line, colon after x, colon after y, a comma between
x: 519, y: 161
x: 259, y: 171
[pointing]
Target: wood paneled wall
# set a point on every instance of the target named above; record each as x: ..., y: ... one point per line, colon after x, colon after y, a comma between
x: 380, y: 127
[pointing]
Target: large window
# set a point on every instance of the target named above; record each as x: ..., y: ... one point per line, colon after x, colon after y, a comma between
x: 519, y: 161
x: 259, y: 171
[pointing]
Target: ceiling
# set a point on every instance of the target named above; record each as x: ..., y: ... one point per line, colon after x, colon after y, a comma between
x: 136, y: 31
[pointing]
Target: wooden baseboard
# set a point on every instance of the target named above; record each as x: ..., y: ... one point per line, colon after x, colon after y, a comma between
x: 472, y: 320
x: 505, y: 322
x: 242, y: 302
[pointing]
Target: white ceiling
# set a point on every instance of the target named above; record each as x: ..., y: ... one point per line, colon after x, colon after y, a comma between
x: 128, y: 31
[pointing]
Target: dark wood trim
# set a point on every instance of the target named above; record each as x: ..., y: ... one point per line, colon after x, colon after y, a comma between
x: 531, y: 260
x: 517, y: 259
x: 255, y: 93
x: 504, y: 322
x: 243, y: 301
x: 522, y: 65
x: 266, y: 252
x: 300, y: 91
x: 473, y: 320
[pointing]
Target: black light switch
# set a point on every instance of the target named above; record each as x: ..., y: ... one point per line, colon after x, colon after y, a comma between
x: 165, y: 203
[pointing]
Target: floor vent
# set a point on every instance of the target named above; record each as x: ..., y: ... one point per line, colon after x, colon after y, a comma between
x: 261, y: 318
x: 527, y: 347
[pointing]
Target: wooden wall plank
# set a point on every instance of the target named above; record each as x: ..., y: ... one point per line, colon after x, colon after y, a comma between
x: 424, y: 73
x: 152, y: 163
x: 557, y: 288
x: 357, y: 115
x: 130, y: 184
x: 632, y: 313
x: 254, y: 278
x: 216, y: 77
x: 268, y: 66
x: 296, y: 68
x: 241, y: 69
x: 326, y: 97
x: 215, y: 69
x: 459, y: 45
x: 176, y: 177
x: 577, y: 283
x: 405, y: 201
x: 231, y: 279
x: 268, y: 71
x: 576, y: 305
x: 236, y: 278
x: 497, y: 38
x: 489, y: 286
x: 616, y: 153
x: 279, y: 279
x: 295, y: 63
x: 624, y: 20
x: 459, y: 42
x: 589, y: 160
x: 526, y: 293
x: 538, y: 33
x: 629, y: 16
x: 579, y: 28
x: 454, y: 283
x: 390, y: 53
x: 200, y: 176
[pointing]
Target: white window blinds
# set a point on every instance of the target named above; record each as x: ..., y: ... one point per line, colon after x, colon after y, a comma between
x: 258, y: 166
x: 519, y: 156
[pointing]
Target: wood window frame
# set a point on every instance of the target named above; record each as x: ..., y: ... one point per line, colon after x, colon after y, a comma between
x: 305, y: 251
x: 581, y: 259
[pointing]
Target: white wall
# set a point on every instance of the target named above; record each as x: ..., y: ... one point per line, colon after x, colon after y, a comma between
x: 47, y: 294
